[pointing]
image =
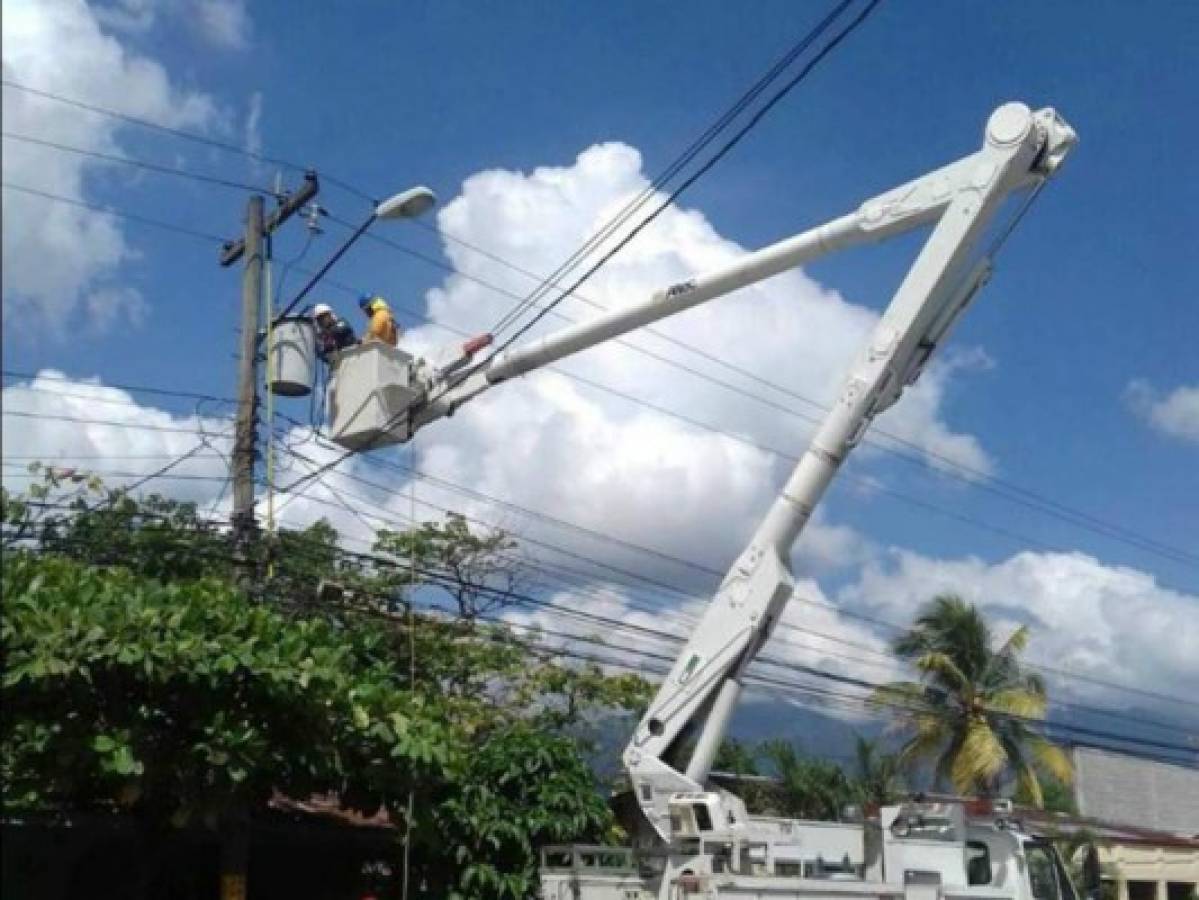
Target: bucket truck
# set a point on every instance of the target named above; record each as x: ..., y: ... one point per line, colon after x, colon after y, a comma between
x: 384, y: 396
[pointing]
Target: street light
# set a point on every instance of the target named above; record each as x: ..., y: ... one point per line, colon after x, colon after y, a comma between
x: 405, y: 205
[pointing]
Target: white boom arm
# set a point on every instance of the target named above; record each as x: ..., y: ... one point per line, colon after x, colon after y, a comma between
x: 902, y: 209
x: 1021, y: 150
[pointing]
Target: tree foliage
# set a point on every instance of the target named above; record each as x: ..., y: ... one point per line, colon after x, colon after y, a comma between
x: 970, y: 714
x: 472, y: 568
x: 809, y: 787
x: 140, y: 680
x: 797, y: 784
x: 178, y: 700
x: 520, y: 790
x: 877, y: 774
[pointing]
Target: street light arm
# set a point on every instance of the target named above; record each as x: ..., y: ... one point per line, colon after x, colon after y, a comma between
x: 329, y: 264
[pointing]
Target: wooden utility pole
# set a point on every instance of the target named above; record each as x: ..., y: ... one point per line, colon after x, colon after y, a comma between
x: 245, y: 436
x: 258, y: 227
x: 235, y: 844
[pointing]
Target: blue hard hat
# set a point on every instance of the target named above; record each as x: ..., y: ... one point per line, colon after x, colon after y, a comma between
x: 364, y: 302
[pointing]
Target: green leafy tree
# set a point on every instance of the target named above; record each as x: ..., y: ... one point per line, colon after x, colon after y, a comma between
x: 139, y: 680
x: 183, y: 701
x: 741, y: 760
x: 808, y: 787
x: 519, y: 790
x: 736, y: 757
x: 969, y: 715
x: 473, y: 568
x: 1056, y: 795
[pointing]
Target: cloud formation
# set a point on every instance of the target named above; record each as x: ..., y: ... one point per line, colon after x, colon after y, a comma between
x: 60, y: 259
x: 1175, y: 414
x: 223, y: 24
x: 1111, y: 623
x: 549, y: 441
x: 84, y: 424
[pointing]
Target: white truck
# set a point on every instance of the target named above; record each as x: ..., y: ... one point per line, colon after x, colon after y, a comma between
x: 912, y: 851
x: 706, y: 842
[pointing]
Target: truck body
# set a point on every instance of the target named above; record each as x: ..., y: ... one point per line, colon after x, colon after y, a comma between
x: 910, y: 851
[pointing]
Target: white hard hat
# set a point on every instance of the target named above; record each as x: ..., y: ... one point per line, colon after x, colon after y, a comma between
x: 321, y: 309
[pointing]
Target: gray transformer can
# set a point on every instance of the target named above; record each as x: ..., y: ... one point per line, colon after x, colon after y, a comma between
x: 291, y: 360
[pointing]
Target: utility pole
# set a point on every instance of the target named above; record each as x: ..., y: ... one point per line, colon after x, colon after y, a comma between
x: 250, y: 247
x: 258, y: 228
x: 247, y: 387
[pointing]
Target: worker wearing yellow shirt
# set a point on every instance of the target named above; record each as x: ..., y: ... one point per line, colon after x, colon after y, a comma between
x: 382, y: 326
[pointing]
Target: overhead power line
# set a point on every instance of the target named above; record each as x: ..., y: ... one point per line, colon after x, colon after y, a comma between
x: 891, y: 626
x: 1072, y: 732
x: 153, y: 476
x: 757, y: 117
x: 82, y: 420
x: 77, y: 395
x: 121, y: 214
x: 97, y: 457
x: 675, y: 167
x: 179, y: 133
x: 131, y: 388
x: 137, y: 163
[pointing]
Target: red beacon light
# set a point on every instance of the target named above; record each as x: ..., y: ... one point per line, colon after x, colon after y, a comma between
x: 477, y: 343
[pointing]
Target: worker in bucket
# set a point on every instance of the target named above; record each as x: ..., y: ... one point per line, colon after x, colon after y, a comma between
x: 333, y: 333
x: 382, y: 326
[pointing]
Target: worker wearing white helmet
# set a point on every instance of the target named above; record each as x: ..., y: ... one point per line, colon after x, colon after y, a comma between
x: 333, y: 333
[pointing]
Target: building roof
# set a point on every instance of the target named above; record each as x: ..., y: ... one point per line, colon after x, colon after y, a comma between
x: 1143, y: 793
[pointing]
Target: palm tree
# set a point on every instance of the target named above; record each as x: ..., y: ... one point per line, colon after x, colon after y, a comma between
x: 969, y: 715
x: 808, y: 787
x: 877, y: 777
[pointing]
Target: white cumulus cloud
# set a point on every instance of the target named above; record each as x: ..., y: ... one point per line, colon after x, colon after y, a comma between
x: 86, y: 425
x: 224, y: 23
x: 1175, y: 414
x: 1108, y: 623
x: 555, y: 444
x: 59, y: 258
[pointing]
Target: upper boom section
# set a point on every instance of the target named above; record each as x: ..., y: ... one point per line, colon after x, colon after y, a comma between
x: 436, y: 388
x: 903, y: 209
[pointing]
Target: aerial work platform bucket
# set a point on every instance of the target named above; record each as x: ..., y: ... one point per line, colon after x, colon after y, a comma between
x: 369, y: 397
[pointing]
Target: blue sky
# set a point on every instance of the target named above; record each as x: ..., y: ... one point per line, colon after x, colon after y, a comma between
x: 1096, y: 290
